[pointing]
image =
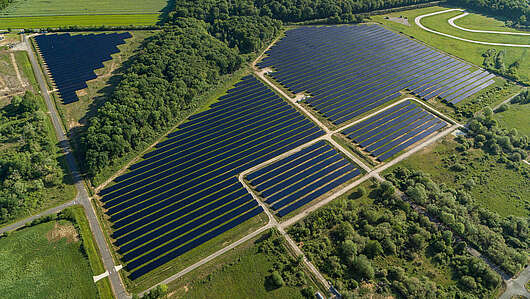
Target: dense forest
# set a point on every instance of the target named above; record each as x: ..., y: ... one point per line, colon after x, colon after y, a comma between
x: 285, y: 10
x: 5, y: 3
x: 516, y: 11
x: 201, y: 42
x: 160, y: 84
x: 28, y: 165
x: 388, y: 247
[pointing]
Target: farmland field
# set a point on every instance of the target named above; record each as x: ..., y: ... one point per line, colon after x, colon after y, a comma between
x: 45, y: 261
x: 465, y: 50
x: 77, y: 7
x: 80, y: 20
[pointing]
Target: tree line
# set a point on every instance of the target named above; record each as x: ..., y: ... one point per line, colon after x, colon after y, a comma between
x: 329, y: 11
x: 27, y: 158
x: 200, y: 43
x: 516, y: 11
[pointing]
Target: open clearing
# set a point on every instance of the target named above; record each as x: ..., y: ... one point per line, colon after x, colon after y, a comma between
x: 517, y: 116
x: 496, y: 187
x: 467, y: 51
x: 45, y: 261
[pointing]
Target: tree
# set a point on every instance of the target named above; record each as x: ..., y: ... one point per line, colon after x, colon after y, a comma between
x: 362, y: 266
x: 348, y: 248
x: 373, y: 248
x: 277, y: 279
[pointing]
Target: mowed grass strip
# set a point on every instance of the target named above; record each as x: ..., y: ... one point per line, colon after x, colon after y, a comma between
x: 78, y: 20
x: 45, y: 261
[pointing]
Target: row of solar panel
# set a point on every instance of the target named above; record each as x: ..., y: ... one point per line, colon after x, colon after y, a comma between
x: 394, y: 129
x: 295, y: 177
x: 346, y: 68
x: 187, y: 186
x: 72, y: 59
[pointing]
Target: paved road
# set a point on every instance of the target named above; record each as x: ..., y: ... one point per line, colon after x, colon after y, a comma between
x: 23, y: 222
x: 452, y: 23
x: 418, y: 22
x: 82, y: 194
x: 517, y: 286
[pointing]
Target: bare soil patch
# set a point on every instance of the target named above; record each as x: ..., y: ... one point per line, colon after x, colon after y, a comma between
x: 60, y: 231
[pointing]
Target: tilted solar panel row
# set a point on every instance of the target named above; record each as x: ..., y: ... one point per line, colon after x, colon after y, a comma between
x: 72, y: 59
x: 186, y: 191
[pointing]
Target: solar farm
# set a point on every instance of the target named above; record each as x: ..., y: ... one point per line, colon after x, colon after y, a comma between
x: 389, y: 132
x: 350, y: 70
x: 302, y: 177
x: 72, y: 59
x: 186, y: 192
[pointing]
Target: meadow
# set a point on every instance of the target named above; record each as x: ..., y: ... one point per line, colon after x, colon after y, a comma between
x: 45, y: 261
x: 467, y: 51
x: 495, y: 186
x: 515, y: 117
x: 241, y: 273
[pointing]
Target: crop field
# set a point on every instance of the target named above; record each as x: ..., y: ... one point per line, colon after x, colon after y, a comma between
x: 465, y: 50
x: 389, y: 132
x: 349, y: 70
x: 186, y: 192
x: 292, y: 182
x: 71, y: 60
x: 45, y: 261
x: 77, y: 7
x: 81, y: 20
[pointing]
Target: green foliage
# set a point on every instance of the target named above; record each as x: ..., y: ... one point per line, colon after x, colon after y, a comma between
x: 522, y: 98
x: 27, y: 158
x: 286, y: 10
x: 34, y: 266
x: 5, y: 3
x: 160, y: 83
x: 503, y: 240
x: 277, y: 279
x: 398, y: 246
x: 157, y: 293
x: 517, y: 11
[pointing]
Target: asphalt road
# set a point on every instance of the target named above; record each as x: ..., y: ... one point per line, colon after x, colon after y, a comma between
x: 82, y: 194
x: 23, y: 222
x: 418, y: 22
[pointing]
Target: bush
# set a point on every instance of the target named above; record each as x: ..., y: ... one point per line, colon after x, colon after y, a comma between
x: 277, y: 279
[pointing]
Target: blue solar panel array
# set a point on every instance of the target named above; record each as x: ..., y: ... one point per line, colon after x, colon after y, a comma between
x: 186, y: 191
x: 302, y: 177
x: 72, y: 59
x: 394, y: 129
x: 349, y: 70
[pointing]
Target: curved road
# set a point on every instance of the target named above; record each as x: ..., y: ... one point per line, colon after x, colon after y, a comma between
x: 418, y: 22
x: 452, y: 23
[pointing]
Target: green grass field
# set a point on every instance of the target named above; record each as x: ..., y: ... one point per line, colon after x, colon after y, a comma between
x: 80, y: 20
x: 480, y: 22
x: 239, y: 274
x: 37, y: 262
x: 78, y: 7
x: 498, y: 188
x: 517, y: 116
x: 467, y: 51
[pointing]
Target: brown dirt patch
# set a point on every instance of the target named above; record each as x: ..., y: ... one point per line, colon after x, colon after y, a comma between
x: 60, y: 231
